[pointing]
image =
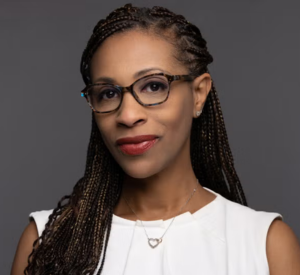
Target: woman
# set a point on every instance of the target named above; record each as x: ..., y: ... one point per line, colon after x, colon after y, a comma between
x: 160, y: 194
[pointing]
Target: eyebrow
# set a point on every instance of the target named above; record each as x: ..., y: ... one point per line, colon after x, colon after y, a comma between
x: 136, y: 75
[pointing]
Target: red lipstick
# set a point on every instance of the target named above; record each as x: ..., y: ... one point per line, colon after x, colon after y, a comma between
x: 136, y: 145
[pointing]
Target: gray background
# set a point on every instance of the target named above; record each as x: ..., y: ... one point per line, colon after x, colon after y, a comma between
x: 45, y: 124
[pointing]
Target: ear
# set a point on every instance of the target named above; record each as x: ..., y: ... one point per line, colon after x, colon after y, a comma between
x: 201, y: 88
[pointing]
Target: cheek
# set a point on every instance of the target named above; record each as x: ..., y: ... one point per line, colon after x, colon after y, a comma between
x: 104, y: 126
x: 178, y: 113
x: 176, y: 118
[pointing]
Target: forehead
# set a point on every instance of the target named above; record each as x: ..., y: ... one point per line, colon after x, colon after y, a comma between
x: 123, y: 54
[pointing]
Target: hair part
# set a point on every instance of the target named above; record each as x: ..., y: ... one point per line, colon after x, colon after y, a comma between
x: 77, y: 232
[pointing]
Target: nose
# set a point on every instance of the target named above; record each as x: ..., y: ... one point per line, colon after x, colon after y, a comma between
x: 130, y: 113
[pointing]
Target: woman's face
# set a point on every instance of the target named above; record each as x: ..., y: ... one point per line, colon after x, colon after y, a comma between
x: 122, y: 56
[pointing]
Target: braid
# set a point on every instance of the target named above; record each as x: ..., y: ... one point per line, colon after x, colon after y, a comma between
x: 77, y: 232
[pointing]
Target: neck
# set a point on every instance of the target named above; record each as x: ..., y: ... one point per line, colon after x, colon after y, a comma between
x: 160, y: 196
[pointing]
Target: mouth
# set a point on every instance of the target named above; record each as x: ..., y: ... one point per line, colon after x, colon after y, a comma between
x: 136, y: 145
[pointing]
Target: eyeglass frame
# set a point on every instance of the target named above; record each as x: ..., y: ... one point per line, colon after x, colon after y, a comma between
x: 129, y: 88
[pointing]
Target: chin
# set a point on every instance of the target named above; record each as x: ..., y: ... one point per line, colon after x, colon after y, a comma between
x: 140, y: 170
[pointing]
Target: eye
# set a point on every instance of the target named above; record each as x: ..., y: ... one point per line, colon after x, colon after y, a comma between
x: 109, y: 94
x: 155, y: 86
x: 100, y: 93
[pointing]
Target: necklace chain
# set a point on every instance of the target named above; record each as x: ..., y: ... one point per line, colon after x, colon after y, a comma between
x: 155, y: 242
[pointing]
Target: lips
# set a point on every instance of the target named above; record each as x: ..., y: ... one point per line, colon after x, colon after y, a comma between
x: 136, y: 145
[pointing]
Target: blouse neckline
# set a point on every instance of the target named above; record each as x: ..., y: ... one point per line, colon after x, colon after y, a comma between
x: 183, y: 218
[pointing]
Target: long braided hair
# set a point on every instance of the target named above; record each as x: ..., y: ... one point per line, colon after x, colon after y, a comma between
x: 78, y: 229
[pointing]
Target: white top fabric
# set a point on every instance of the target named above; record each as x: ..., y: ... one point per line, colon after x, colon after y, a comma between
x: 221, y: 238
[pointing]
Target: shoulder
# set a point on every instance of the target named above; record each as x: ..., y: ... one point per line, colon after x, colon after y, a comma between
x: 249, y: 219
x: 40, y: 218
x: 24, y: 248
x: 283, y: 250
x: 250, y: 226
x: 30, y: 234
x: 266, y: 235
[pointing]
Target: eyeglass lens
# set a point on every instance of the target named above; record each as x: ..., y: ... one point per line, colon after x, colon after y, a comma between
x: 149, y: 90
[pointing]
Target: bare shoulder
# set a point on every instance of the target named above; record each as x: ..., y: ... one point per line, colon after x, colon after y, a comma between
x: 283, y: 249
x: 24, y: 248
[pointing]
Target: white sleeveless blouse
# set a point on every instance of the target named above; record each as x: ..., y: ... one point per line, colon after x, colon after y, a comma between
x: 221, y: 238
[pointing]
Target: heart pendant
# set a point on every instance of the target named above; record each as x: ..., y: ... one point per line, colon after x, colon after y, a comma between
x: 154, y: 242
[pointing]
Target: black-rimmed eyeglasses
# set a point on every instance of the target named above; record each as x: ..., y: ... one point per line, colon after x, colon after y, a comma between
x: 149, y: 90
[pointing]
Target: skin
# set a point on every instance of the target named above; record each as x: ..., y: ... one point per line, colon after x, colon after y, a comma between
x: 24, y: 248
x: 156, y: 187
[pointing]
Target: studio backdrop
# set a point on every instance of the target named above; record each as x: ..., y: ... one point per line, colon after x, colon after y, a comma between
x: 46, y: 124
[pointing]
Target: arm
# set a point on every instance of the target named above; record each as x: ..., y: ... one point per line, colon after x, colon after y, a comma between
x: 283, y: 250
x: 24, y: 248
